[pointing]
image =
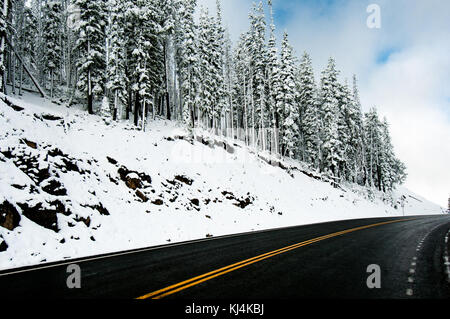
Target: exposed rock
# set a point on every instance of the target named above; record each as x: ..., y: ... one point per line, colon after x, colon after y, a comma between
x: 71, y: 166
x: 50, y: 117
x: 158, y: 202
x: 44, y: 217
x: 146, y: 178
x: 3, y: 245
x: 133, y: 181
x: 12, y: 105
x: 86, y: 221
x: 54, y: 187
x: 195, y: 202
x: 240, y: 202
x: 60, y: 208
x: 56, y: 152
x: 111, y: 160
x: 21, y: 187
x: 141, y: 196
x: 102, y: 210
x: 243, y: 203
x: 184, y: 179
x: 9, y: 216
x: 31, y: 144
x: 7, y: 153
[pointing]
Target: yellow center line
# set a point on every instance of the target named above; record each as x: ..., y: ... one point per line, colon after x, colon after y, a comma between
x: 161, y: 293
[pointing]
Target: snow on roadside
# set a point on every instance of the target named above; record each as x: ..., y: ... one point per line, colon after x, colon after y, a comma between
x: 98, y: 188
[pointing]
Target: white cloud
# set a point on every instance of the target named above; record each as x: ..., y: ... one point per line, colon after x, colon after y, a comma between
x: 408, y: 90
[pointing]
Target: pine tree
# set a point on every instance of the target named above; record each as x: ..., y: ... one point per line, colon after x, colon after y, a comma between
x: 168, y: 10
x: 241, y: 86
x: 258, y: 61
x: 374, y: 144
x: 205, y: 67
x: 330, y: 114
x: 218, y: 42
x: 345, y: 150
x: 91, y: 48
x: 357, y: 153
x: 229, y: 80
x: 310, y: 120
x: 273, y: 82
x: 286, y: 99
x: 188, y: 61
x: 117, y: 59
x: 51, y: 35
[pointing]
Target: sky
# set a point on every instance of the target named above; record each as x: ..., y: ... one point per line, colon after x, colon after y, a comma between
x: 403, y: 68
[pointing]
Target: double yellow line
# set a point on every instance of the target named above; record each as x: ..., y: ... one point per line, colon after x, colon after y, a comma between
x: 224, y: 270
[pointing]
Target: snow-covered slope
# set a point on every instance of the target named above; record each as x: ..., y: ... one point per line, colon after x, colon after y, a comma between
x: 72, y: 185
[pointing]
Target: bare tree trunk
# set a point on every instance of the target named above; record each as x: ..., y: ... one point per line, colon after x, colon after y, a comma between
x: 136, y: 108
x: 51, y: 83
x: 143, y: 116
x: 115, y: 105
x: 245, y: 113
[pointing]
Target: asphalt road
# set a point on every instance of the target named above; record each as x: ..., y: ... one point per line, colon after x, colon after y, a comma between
x: 327, y: 260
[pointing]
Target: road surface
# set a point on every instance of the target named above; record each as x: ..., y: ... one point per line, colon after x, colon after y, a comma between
x: 326, y: 260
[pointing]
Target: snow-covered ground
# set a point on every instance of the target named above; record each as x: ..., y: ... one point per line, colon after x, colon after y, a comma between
x: 72, y: 185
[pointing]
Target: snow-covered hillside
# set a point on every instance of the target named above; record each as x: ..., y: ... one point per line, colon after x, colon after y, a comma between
x: 72, y: 185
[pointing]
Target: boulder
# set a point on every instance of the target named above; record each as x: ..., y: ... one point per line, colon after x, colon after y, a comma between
x: 9, y: 216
